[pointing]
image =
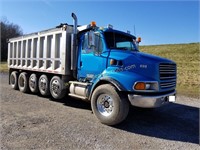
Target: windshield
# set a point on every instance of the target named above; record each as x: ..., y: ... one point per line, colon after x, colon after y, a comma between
x: 120, y: 41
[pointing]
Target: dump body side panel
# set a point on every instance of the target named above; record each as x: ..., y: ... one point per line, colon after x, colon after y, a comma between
x: 45, y: 51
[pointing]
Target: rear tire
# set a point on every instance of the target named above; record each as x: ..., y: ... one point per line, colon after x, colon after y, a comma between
x: 43, y: 85
x: 23, y: 82
x: 33, y: 83
x: 109, y: 106
x: 57, y: 88
x: 14, y: 80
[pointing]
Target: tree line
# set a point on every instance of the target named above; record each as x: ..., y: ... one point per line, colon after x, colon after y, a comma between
x: 8, y: 30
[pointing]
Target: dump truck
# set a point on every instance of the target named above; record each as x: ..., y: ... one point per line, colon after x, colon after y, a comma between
x: 100, y: 65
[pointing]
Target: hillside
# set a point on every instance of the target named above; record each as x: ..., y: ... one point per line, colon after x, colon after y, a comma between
x: 187, y: 57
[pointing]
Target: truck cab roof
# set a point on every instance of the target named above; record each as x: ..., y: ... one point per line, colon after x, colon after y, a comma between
x: 86, y: 28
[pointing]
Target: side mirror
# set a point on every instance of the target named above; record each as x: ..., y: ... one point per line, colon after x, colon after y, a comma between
x: 91, y: 39
x: 94, y: 42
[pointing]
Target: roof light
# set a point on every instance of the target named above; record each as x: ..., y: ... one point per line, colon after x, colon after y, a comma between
x: 101, y: 28
x: 110, y: 26
x: 139, y: 39
x: 93, y: 24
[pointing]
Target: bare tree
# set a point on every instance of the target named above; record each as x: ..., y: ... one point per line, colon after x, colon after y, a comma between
x: 7, y: 30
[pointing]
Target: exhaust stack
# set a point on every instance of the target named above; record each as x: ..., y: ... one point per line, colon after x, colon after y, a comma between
x: 74, y: 51
x: 75, y: 23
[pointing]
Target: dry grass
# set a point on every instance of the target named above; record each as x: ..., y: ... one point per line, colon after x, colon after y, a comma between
x: 188, y: 64
x: 3, y: 67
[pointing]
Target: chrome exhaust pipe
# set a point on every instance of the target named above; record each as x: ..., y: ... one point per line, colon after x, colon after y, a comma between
x: 75, y: 23
x: 74, y: 51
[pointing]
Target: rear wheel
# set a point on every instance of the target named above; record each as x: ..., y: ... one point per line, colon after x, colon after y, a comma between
x: 57, y: 88
x: 13, y: 80
x: 33, y: 83
x: 43, y: 85
x: 109, y: 106
x: 23, y: 82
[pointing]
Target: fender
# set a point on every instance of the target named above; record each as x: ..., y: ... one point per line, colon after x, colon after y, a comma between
x: 118, y: 85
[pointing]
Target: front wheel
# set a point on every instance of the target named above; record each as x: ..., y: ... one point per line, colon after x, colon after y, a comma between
x: 109, y: 106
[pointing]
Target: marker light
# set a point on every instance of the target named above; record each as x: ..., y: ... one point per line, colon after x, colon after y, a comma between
x: 140, y: 86
x: 139, y: 39
x: 110, y: 26
x: 113, y: 62
x: 93, y: 24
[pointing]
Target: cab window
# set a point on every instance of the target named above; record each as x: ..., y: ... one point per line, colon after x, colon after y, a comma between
x: 95, y: 46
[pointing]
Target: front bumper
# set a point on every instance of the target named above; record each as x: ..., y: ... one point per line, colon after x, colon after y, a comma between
x: 151, y: 101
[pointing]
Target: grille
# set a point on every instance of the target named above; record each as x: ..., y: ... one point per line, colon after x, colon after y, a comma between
x: 167, y: 75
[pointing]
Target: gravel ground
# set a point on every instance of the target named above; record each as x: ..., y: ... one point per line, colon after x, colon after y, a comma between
x: 30, y: 121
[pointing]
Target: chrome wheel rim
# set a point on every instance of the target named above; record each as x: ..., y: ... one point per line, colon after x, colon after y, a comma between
x: 105, y: 104
x: 43, y: 84
x: 32, y: 82
x: 55, y: 87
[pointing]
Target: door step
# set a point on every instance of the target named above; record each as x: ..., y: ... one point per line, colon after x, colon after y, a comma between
x: 79, y: 83
x: 78, y: 96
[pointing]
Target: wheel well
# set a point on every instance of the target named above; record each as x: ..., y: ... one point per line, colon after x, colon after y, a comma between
x: 101, y: 82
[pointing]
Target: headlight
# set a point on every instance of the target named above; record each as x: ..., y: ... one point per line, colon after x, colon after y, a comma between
x: 146, y: 86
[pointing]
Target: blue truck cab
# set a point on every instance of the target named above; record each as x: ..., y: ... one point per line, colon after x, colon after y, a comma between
x: 112, y: 73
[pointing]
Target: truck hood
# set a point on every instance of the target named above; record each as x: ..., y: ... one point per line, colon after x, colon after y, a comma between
x: 137, y: 57
x: 140, y: 63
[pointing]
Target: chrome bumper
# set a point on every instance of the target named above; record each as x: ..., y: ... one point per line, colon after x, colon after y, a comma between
x: 151, y: 101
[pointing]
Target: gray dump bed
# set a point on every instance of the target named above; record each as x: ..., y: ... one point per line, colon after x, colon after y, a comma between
x: 45, y: 51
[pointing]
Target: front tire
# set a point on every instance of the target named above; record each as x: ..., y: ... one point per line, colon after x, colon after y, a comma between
x: 109, y: 106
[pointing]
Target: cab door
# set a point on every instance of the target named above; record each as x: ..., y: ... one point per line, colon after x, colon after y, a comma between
x: 91, y: 62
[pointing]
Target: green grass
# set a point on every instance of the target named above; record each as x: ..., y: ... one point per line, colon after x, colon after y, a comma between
x: 188, y: 64
x: 187, y: 57
x: 3, y: 67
